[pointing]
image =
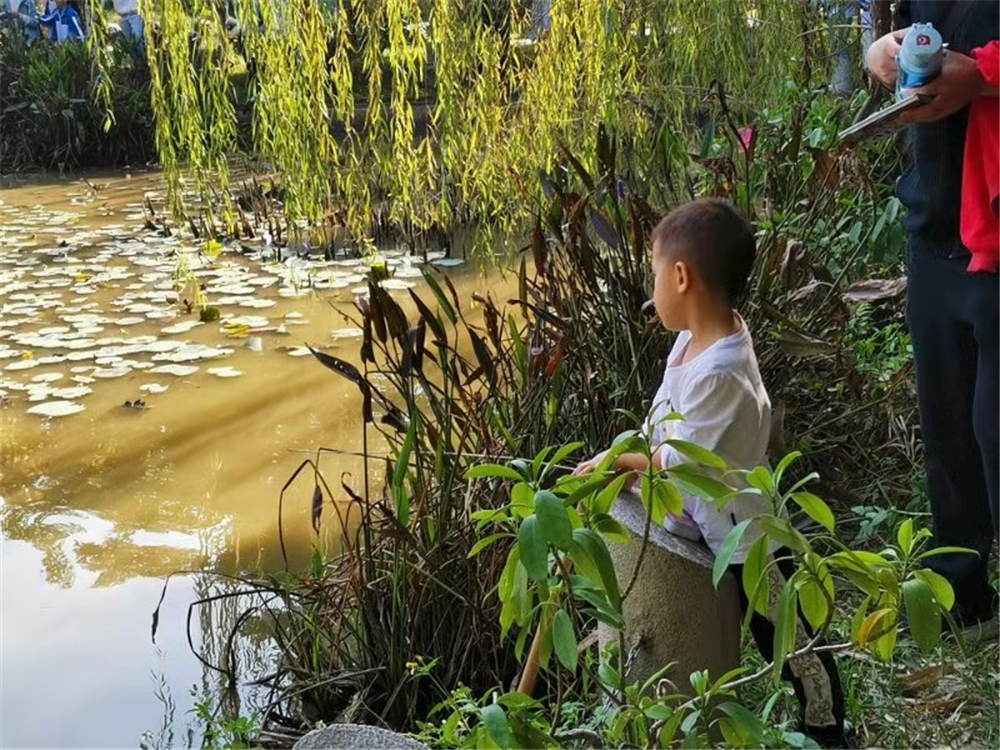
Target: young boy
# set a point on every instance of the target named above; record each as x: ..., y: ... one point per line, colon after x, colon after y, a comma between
x: 702, y: 256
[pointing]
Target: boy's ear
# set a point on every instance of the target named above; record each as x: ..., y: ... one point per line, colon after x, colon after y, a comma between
x: 682, y: 276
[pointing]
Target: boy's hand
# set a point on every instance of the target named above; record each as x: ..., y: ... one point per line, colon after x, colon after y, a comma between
x: 625, y: 462
x: 589, y: 465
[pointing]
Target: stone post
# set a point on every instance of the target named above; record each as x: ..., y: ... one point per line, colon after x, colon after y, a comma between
x: 673, y: 613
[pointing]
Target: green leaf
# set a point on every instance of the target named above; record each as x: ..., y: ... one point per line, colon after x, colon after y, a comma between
x: 667, y: 498
x: 748, y: 726
x: 690, y: 720
x: 697, y: 453
x: 658, y: 712
x: 486, y: 542
x: 536, y: 464
x: 727, y: 550
x: 755, y: 582
x: 560, y: 455
x: 399, y: 474
x: 564, y: 640
x: 606, y: 499
x: 497, y: 726
x: 493, y: 470
x: 923, y: 612
x: 506, y: 583
x: 783, y: 465
x: 813, y: 602
x: 609, y: 528
x: 588, y: 547
x: 693, y: 482
x: 947, y: 551
x: 904, y: 536
x: 534, y: 550
x: 761, y: 479
x: 587, y: 488
x: 553, y: 521
x: 522, y: 500
x: 783, y: 533
x: 786, y: 623
x: 441, y: 298
x: 942, y: 589
x: 815, y: 508
x: 859, y: 618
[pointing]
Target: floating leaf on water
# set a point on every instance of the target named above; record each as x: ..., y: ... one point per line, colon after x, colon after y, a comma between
x: 129, y: 321
x: 255, y: 344
x: 183, y: 327
x: 180, y: 371
x: 47, y: 377
x: 299, y: 351
x: 109, y: 373
x: 396, y: 284
x: 224, y: 372
x: 71, y: 393
x: 258, y: 304
x: 447, y: 262
x: 56, y: 409
x: 23, y: 364
x: 153, y: 388
x: 346, y: 333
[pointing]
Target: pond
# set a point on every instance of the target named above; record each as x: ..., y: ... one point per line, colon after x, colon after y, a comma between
x: 100, y: 501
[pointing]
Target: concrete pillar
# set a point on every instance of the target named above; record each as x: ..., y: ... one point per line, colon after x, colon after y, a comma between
x: 673, y: 613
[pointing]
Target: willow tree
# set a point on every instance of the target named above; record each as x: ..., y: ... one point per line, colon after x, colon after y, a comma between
x: 494, y: 104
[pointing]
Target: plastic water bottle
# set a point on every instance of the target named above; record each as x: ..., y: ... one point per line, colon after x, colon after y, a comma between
x: 919, y: 58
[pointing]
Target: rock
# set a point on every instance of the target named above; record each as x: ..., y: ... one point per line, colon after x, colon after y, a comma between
x: 356, y: 737
x: 673, y: 614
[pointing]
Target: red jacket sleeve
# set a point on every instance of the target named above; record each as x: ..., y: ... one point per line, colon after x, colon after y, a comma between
x: 988, y: 62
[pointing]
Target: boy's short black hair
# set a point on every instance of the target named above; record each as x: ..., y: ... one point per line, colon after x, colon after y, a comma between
x: 715, y: 239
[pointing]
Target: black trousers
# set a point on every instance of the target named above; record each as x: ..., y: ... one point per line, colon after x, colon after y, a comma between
x: 953, y: 319
x: 815, y: 679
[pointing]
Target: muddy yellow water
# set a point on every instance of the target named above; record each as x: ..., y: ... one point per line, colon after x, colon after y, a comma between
x: 101, y: 501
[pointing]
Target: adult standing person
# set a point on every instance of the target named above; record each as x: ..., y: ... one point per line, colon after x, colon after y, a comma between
x: 132, y: 24
x: 952, y: 312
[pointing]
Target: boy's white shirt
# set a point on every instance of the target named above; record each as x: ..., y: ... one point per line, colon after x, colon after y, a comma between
x: 726, y: 409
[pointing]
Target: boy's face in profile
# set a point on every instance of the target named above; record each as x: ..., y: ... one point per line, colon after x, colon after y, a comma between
x: 671, y: 281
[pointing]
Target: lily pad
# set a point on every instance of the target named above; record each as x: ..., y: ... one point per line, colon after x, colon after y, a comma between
x: 56, y: 409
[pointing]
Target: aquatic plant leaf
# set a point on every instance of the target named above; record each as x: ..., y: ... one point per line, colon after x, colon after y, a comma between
x: 317, y: 507
x: 430, y: 318
x: 604, y: 229
x: 483, y: 356
x: 339, y: 366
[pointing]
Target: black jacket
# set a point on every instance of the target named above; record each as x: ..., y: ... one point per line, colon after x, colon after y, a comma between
x: 931, y: 189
